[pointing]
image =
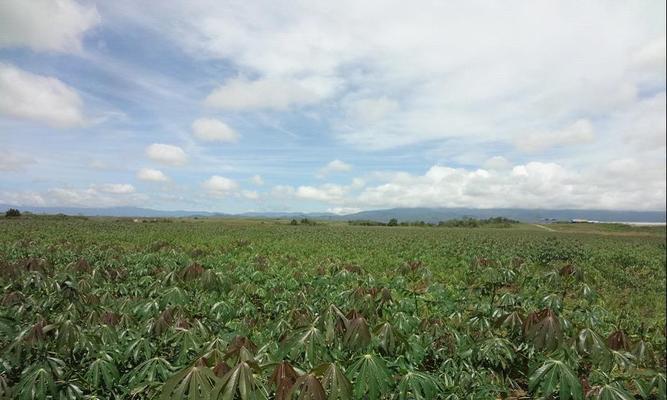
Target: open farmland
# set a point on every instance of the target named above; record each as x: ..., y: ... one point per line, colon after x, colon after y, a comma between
x: 225, y: 309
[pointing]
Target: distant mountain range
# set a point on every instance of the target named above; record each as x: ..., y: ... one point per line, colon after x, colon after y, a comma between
x: 401, y: 214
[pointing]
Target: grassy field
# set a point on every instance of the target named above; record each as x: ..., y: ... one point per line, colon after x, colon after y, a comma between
x: 186, y: 308
x: 611, y: 229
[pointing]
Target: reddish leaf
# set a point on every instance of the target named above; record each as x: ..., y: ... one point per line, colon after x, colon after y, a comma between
x: 543, y: 329
x: 283, y: 379
x: 618, y: 340
x: 237, y: 344
x: 308, y: 387
x: 194, y: 271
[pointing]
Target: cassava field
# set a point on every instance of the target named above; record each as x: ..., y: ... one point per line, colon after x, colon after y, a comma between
x: 225, y: 309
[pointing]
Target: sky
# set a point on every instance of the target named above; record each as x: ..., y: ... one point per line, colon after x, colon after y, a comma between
x: 235, y: 106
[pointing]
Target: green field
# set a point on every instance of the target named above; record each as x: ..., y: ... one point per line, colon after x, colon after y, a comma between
x: 185, y: 308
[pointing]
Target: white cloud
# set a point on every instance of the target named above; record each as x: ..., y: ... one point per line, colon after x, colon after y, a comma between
x: 270, y: 93
x: 644, y: 124
x: 166, y: 154
x: 531, y: 185
x: 329, y: 193
x: 57, y: 25
x: 497, y: 163
x: 333, y: 167
x: 257, y: 180
x: 13, y: 162
x: 368, y: 111
x: 250, y: 194
x: 344, y: 210
x: 98, y: 165
x: 650, y: 59
x: 282, y: 192
x: 220, y: 186
x: 488, y: 78
x: 437, y: 78
x: 358, y: 183
x: 580, y: 132
x: 213, y: 130
x: 22, y: 198
x: 624, y: 183
x: 30, y: 96
x: 115, y: 188
x: 93, y: 196
x: 152, y: 175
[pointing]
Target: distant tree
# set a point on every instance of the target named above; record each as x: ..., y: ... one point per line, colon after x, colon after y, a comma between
x: 294, y: 222
x: 12, y: 212
x: 392, y: 222
x: 366, y: 223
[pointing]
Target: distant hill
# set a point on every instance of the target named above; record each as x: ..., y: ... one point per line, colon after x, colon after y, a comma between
x: 278, y: 214
x: 401, y: 214
x: 111, y: 211
x: 520, y: 214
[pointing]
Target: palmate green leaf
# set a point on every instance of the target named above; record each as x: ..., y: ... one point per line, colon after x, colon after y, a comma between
x: 592, y: 344
x: 621, y: 360
x: 480, y: 322
x: 140, y: 349
x: 68, y: 335
x: 512, y: 321
x: 555, y: 376
x: 35, y: 383
x: 173, y: 296
x: 105, y: 334
x: 611, y: 391
x: 192, y: 383
x: 241, y: 381
x: 389, y: 339
x: 7, y: 326
x: 357, y: 333
x: 496, y: 352
x: 659, y: 383
x: 508, y: 300
x: 642, y: 351
x: 371, y: 376
x: 70, y: 391
x: 333, y: 322
x: 38, y: 381
x: 643, y: 387
x: 309, y: 342
x: 335, y: 382
x: 186, y: 342
x: 419, y: 386
x: 587, y: 292
x: 553, y: 301
x: 223, y: 310
x: 153, y: 370
x: 213, y: 352
x: 102, y: 372
x: 5, y: 391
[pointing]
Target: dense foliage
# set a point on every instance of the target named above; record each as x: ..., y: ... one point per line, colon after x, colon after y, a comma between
x: 12, y: 212
x: 495, y: 222
x: 252, y: 310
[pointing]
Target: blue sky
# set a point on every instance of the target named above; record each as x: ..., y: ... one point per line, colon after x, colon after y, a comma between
x: 320, y: 106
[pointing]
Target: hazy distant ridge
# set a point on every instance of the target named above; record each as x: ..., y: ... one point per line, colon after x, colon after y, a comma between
x: 402, y: 214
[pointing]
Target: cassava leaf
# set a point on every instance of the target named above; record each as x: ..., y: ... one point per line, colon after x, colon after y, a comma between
x: 556, y: 377
x: 371, y: 376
